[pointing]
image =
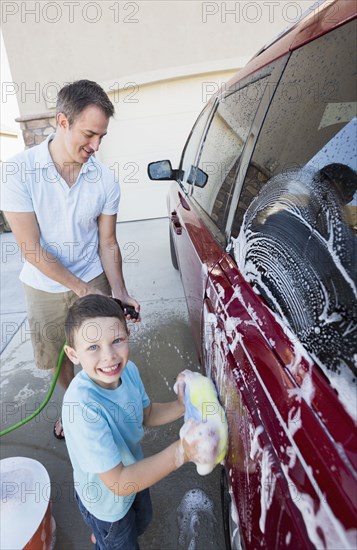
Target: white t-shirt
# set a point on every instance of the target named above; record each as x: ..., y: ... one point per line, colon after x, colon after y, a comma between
x: 67, y: 216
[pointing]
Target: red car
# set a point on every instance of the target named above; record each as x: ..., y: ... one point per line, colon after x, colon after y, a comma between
x: 263, y: 224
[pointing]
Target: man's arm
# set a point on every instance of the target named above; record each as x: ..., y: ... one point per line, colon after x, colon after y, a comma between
x: 111, y: 258
x: 27, y: 234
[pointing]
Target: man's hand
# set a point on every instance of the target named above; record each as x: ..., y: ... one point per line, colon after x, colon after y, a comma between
x: 127, y: 300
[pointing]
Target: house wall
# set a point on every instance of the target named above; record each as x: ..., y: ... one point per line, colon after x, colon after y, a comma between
x: 154, y: 128
x: 159, y: 61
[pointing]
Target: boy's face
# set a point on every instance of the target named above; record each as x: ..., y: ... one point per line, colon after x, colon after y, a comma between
x: 101, y: 347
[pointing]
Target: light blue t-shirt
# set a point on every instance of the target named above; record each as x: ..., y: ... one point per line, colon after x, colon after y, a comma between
x: 67, y: 216
x: 103, y: 428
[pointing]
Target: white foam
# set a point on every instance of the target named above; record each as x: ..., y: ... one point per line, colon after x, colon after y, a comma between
x: 323, y: 528
x: 309, y: 296
x: 267, y: 487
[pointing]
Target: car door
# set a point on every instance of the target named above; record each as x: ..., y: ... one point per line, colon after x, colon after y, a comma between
x: 194, y: 250
x: 280, y: 312
x: 215, y: 148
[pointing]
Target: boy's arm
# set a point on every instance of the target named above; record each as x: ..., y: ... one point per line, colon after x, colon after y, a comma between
x: 126, y: 480
x: 157, y: 414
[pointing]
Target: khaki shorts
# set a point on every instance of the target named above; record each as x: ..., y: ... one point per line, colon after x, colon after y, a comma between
x: 47, y: 312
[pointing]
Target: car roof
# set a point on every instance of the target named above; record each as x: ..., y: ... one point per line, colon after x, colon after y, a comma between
x: 319, y: 19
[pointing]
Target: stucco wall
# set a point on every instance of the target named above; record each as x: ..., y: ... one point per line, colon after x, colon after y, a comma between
x: 53, y: 42
x: 152, y: 123
x: 158, y: 60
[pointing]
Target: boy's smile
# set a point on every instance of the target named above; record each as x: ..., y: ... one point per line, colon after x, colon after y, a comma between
x: 101, y: 347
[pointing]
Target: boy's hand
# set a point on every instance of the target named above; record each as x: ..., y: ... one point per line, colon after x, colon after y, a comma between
x: 179, y: 388
x: 199, y: 442
x: 190, y: 440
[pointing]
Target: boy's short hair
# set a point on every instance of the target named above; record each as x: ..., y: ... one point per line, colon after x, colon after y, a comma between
x: 89, y: 307
x: 75, y: 97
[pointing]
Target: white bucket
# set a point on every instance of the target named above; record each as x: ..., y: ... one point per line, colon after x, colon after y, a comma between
x: 26, y: 520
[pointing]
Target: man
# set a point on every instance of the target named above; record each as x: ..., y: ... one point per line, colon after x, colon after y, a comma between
x: 61, y: 204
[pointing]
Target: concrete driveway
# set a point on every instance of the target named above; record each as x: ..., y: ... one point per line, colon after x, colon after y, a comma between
x: 187, y: 513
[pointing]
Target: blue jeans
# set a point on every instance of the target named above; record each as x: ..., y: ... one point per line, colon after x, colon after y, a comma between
x: 122, y: 534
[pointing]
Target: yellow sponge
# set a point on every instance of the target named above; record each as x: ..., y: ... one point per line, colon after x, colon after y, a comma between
x: 205, y: 421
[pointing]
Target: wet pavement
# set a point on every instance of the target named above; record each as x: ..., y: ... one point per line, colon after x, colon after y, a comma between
x: 187, y: 511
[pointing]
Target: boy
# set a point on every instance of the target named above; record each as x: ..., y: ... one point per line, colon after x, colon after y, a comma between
x: 104, y: 411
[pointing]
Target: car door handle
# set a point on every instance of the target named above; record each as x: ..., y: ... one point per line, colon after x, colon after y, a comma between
x: 183, y: 202
x: 176, y: 223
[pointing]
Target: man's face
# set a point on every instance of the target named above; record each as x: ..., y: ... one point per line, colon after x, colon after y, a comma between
x: 83, y: 138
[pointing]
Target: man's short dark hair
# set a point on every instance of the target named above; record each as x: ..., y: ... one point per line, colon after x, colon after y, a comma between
x: 89, y: 307
x: 74, y: 98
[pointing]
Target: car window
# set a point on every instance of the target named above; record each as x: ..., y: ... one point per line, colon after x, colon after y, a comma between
x: 190, y: 151
x: 223, y: 145
x: 295, y: 225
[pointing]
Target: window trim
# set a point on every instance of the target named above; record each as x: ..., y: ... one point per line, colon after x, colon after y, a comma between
x: 212, y: 109
x: 221, y: 236
x: 274, y: 71
x: 234, y: 89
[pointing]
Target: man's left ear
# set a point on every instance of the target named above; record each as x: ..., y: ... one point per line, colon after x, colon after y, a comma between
x: 71, y: 354
x: 62, y: 121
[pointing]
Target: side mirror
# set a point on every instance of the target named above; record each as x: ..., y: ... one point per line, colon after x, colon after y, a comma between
x: 161, y: 170
x: 197, y: 177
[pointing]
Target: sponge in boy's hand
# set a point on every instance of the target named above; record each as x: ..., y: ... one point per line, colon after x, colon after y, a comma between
x: 205, y: 428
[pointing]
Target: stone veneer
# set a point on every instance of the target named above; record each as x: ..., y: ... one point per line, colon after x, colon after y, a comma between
x: 36, y: 128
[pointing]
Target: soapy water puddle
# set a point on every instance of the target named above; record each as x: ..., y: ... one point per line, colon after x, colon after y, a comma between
x: 195, y: 518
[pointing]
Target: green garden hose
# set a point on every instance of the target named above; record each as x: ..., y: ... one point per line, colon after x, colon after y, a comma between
x: 43, y: 405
